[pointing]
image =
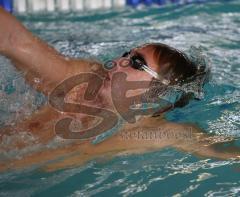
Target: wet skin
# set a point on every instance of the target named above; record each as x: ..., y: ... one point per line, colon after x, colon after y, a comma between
x: 38, y: 60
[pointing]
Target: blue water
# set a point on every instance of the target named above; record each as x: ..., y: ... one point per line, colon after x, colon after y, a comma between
x: 213, y: 29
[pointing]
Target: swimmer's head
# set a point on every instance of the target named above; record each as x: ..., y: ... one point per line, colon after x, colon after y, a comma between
x: 167, y: 70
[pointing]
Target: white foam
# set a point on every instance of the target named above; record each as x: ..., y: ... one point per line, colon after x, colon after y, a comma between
x: 204, y: 176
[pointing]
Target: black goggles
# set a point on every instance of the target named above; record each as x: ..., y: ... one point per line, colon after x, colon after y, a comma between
x: 138, y: 62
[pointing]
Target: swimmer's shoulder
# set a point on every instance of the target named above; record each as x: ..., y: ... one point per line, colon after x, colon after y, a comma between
x: 78, y: 66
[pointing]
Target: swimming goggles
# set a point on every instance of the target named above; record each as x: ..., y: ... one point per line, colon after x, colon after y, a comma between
x: 138, y: 62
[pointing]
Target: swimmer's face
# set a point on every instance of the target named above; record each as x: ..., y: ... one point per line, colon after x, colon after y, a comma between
x: 146, y: 55
x: 163, y: 62
x: 168, y: 63
x: 129, y: 62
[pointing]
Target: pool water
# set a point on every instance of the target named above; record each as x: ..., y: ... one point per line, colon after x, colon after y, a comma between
x: 211, y: 28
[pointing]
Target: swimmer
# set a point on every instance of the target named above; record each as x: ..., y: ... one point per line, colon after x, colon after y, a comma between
x: 158, y: 65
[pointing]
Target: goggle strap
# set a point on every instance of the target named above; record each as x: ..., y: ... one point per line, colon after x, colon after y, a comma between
x: 155, y: 74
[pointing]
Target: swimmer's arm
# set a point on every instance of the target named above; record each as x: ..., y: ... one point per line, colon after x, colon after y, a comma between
x: 202, y: 144
x: 188, y: 139
x: 37, y: 60
x: 184, y: 137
